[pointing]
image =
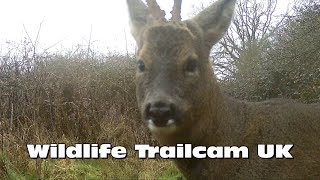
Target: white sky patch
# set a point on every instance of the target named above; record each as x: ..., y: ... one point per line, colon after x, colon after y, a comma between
x: 70, y: 21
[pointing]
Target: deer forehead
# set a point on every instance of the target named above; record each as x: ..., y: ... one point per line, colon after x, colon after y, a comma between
x: 168, y: 41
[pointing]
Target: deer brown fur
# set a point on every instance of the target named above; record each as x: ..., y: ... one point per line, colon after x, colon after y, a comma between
x: 181, y: 102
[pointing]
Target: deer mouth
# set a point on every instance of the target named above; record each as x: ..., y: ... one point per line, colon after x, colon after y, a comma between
x: 162, y: 116
x: 164, y: 126
x: 161, y: 123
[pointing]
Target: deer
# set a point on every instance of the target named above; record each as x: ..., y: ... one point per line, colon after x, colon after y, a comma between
x: 181, y: 102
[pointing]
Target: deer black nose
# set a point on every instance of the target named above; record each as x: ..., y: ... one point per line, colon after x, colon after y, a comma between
x: 160, y: 113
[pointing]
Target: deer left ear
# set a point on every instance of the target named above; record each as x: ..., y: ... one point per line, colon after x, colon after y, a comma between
x: 215, y: 20
x: 138, y: 14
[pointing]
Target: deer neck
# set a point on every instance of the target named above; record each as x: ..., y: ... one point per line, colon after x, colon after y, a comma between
x: 213, y: 128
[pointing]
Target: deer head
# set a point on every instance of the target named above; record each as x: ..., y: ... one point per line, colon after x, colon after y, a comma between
x: 174, y: 77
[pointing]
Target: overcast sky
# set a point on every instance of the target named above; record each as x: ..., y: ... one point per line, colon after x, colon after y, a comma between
x: 71, y: 21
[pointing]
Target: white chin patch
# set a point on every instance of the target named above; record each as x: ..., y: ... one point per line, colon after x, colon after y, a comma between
x: 169, y: 128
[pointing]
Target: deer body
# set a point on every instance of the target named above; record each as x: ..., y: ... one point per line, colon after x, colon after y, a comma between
x: 181, y: 102
x: 275, y: 121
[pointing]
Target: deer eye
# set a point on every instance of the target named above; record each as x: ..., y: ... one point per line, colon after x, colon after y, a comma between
x: 141, y: 66
x: 191, y: 66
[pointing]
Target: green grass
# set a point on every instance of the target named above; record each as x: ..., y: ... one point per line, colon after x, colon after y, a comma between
x: 129, y: 168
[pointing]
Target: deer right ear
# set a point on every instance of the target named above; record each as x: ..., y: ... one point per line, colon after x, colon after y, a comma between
x: 138, y: 14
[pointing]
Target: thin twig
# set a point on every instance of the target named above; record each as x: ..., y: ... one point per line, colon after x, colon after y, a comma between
x: 125, y: 37
x: 11, y: 118
x: 89, y: 43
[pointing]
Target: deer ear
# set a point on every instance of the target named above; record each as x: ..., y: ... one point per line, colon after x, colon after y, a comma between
x: 138, y: 13
x: 215, y: 20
